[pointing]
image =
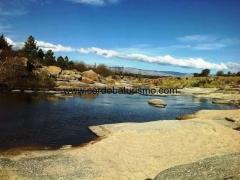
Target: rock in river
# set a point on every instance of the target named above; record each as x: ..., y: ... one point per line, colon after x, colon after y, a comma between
x: 157, y: 103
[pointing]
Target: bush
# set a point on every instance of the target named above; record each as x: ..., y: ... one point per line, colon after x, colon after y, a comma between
x: 103, y: 70
x: 14, y: 73
x: 81, y: 66
x: 220, y: 73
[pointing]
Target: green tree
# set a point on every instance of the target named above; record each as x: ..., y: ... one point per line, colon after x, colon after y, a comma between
x: 220, y: 73
x: 5, y: 48
x: 205, y: 72
x: 30, y: 49
x: 229, y: 73
x: 49, y: 58
x: 69, y: 64
x: 61, y: 62
x: 196, y: 74
x: 41, y: 54
x: 66, y: 59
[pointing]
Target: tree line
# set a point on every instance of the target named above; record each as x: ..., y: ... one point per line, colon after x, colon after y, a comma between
x: 206, y: 73
x: 37, y: 56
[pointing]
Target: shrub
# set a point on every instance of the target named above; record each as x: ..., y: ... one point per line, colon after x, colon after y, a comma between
x: 103, y: 70
x: 220, y: 73
x: 14, y: 73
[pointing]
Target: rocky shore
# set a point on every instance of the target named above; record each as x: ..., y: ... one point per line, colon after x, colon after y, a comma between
x: 133, y: 150
x: 136, y: 150
x: 218, y: 96
x: 73, y: 79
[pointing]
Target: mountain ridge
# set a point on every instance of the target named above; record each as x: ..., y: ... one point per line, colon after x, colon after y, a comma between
x: 147, y: 72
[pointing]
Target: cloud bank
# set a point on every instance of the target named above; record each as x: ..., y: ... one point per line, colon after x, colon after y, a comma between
x: 54, y: 47
x: 198, y: 63
x: 95, y: 2
x: 197, y: 38
x: 207, y: 42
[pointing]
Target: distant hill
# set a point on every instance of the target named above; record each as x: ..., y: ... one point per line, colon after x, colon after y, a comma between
x: 147, y: 72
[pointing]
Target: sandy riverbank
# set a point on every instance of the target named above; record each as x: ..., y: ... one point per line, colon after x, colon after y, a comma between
x: 131, y: 150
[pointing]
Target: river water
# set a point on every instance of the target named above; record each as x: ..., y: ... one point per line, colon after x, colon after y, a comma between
x: 40, y: 120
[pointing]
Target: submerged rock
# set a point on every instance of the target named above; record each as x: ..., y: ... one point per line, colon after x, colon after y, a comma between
x: 16, y: 90
x: 226, y: 101
x: 28, y: 91
x: 157, y: 103
x: 186, y: 117
x: 66, y: 147
x: 221, y: 101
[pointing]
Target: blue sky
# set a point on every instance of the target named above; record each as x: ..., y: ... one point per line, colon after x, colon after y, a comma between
x: 170, y: 35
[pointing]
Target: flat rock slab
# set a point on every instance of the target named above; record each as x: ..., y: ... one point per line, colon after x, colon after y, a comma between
x: 219, y: 167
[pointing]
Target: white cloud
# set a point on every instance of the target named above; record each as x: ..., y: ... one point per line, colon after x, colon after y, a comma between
x: 197, y: 38
x: 233, y: 67
x: 100, y: 52
x: 10, y: 41
x: 209, y: 46
x: 166, y: 60
x: 54, y: 47
x: 207, y: 42
x: 95, y: 2
x: 15, y: 45
x: 198, y: 63
x: 43, y: 45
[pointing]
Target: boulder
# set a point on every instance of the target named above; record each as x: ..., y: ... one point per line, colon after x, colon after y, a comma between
x: 70, y: 75
x: 157, y: 103
x: 65, y: 77
x: 69, y: 72
x: 21, y: 61
x: 70, y: 84
x: 91, y: 75
x: 87, y: 80
x: 53, y: 71
x: 18, y: 63
x: 110, y: 80
x: 99, y: 85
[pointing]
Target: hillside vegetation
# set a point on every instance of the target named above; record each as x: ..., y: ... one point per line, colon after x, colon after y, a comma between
x: 23, y: 69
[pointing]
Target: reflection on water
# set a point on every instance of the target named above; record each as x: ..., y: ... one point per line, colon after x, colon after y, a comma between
x: 53, y: 121
x: 89, y: 96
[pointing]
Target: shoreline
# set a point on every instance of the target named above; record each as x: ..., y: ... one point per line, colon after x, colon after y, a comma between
x: 134, y: 150
x: 216, y: 95
x: 194, y: 92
